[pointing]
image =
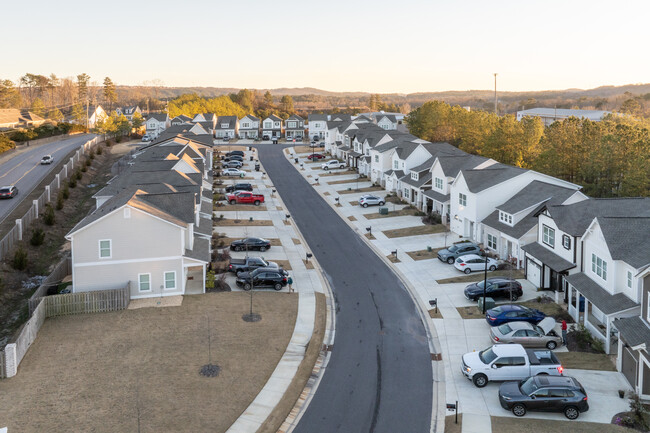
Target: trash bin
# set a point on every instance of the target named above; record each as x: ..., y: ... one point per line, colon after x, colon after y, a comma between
x: 242, y: 175
x: 383, y: 211
x: 296, y: 159
x: 251, y: 158
x: 429, y: 249
x: 489, y: 303
x: 257, y: 167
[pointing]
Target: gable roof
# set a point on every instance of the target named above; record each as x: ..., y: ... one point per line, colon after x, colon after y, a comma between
x: 628, y: 239
x: 182, y: 118
x: 390, y: 117
x: 274, y: 118
x: 250, y: 117
x: 452, y: 164
x: 295, y: 117
x: 229, y: 121
x: 480, y: 180
x: 318, y: 118
x: 160, y: 117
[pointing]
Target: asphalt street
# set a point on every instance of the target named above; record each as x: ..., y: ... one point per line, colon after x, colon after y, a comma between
x: 25, y: 172
x: 379, y: 377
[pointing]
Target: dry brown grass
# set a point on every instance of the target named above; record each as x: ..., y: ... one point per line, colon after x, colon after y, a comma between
x: 339, y: 182
x: 393, y: 258
x: 369, y: 236
x: 295, y: 241
x: 424, y: 254
x: 450, y: 423
x: 533, y: 425
x: 435, y: 314
x: 586, y: 361
x: 470, y: 312
x: 282, y: 409
x: 354, y: 203
x: 286, y: 222
x: 364, y: 189
x: 284, y: 264
x: 352, y: 218
x: 479, y: 276
x: 308, y: 264
x: 338, y: 172
x: 326, y: 193
x: 415, y: 231
x: 304, y: 149
x: 149, y: 359
x: 275, y: 242
x: 242, y: 222
x: 240, y: 207
x: 228, y: 148
x: 394, y: 213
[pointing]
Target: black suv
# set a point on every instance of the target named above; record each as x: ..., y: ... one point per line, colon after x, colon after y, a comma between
x: 544, y: 393
x: 496, y: 288
x: 250, y: 244
x: 239, y: 187
x: 262, y: 277
x: 235, y: 152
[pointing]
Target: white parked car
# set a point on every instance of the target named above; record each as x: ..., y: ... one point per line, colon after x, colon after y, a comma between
x: 47, y: 159
x: 334, y: 163
x: 474, y: 263
x: 370, y: 200
x: 147, y: 137
x: 233, y: 172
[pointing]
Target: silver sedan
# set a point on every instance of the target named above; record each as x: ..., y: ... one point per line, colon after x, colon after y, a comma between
x: 527, y: 334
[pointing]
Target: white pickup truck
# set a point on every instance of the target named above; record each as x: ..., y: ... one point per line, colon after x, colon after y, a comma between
x: 508, y: 362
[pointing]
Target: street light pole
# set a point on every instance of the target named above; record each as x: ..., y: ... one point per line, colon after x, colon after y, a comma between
x: 485, y: 284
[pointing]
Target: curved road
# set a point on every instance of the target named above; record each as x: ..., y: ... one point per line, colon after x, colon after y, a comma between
x: 23, y: 168
x: 379, y: 376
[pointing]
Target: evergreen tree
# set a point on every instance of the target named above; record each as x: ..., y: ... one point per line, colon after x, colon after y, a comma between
x: 38, y: 107
x: 109, y: 92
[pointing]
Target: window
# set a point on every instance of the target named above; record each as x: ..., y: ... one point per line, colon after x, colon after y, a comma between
x: 105, y: 249
x: 438, y: 183
x: 599, y: 266
x: 144, y: 282
x: 462, y: 199
x: 505, y: 218
x: 406, y: 193
x: 414, y: 175
x: 629, y: 279
x: 376, y: 158
x: 548, y: 236
x: 491, y: 241
x: 291, y: 124
x: 245, y: 125
x: 566, y: 242
x: 170, y: 280
x: 224, y: 125
x: 396, y: 164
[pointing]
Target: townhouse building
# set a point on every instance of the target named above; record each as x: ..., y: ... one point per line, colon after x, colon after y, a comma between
x: 317, y: 125
x: 294, y: 127
x: 227, y: 126
x: 249, y: 127
x: 156, y: 123
x: 272, y: 127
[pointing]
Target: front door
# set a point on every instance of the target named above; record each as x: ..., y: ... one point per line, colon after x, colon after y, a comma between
x: 554, y: 286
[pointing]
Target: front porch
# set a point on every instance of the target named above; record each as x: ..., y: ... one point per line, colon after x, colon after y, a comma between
x: 194, y: 280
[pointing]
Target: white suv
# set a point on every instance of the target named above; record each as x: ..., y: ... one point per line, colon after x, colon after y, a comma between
x: 334, y: 163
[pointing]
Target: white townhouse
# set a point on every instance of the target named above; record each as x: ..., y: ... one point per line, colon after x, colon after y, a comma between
x: 317, y: 125
x: 514, y: 222
x: 227, y: 126
x: 96, y: 114
x: 387, y: 121
x: 249, y: 127
x: 272, y: 127
x: 476, y: 193
x: 156, y: 123
x: 381, y: 158
x: 128, y: 112
x: 294, y: 127
x: 615, y: 254
x: 404, y: 157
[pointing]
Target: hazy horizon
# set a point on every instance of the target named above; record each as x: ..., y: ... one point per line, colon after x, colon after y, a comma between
x: 380, y: 47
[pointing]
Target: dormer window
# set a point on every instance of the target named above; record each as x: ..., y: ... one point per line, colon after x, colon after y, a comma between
x: 505, y: 218
x: 438, y: 183
x: 414, y: 175
x: 224, y: 125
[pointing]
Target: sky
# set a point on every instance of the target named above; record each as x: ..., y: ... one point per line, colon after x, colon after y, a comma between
x: 375, y: 46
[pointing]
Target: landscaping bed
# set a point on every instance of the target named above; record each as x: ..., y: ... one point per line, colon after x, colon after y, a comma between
x: 241, y: 222
x: 415, y: 231
x: 239, y: 207
x: 337, y: 172
x: 425, y: 254
x: 479, y: 276
x: 364, y: 189
x: 342, y: 181
x: 408, y: 211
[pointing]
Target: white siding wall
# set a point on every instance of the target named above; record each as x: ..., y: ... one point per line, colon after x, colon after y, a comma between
x: 559, y: 249
x: 594, y: 243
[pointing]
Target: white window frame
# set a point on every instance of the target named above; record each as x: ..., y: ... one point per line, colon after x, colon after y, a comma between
x: 566, y: 242
x: 414, y: 175
x: 407, y: 193
x: 462, y: 199
x: 648, y: 310
x: 439, y: 184
x: 395, y: 165
x: 491, y: 241
x: 629, y: 280
x: 110, y: 248
x: 599, y: 266
x: 140, y: 282
x: 547, y: 239
x: 165, y: 280
x: 376, y: 158
x: 505, y: 218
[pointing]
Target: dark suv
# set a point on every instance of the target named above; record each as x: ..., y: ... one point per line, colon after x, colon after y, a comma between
x: 450, y: 254
x: 262, y: 277
x: 544, y: 393
x: 496, y: 288
x: 239, y: 187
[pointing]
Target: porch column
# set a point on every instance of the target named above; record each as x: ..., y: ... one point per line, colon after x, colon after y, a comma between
x: 608, y: 338
x: 203, y: 275
x: 584, y: 321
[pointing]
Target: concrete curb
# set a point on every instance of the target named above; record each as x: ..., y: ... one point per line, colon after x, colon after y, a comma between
x: 438, y: 410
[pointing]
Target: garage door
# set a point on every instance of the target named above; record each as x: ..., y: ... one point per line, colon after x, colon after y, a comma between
x: 629, y: 366
x: 533, y: 272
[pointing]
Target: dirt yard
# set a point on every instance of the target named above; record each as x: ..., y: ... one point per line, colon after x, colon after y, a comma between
x: 106, y: 372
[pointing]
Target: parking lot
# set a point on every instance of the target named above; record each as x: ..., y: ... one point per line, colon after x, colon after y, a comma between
x: 456, y: 335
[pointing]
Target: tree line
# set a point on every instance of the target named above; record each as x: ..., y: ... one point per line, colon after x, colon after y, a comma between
x: 610, y: 158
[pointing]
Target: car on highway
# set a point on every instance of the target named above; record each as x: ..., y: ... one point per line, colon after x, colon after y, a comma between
x: 450, y: 254
x: 250, y: 244
x: 233, y: 172
x: 544, y: 393
x: 370, y: 200
x: 262, y: 277
x: 497, y: 287
x: 334, y: 163
x: 528, y: 335
x: 512, y: 313
x: 8, y: 191
x: 474, y: 263
x: 47, y: 159
x: 232, y: 164
x: 315, y: 156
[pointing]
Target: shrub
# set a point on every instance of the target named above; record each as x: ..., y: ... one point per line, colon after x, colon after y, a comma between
x: 78, y: 174
x: 99, y: 150
x: 432, y: 218
x: 59, y: 200
x: 84, y: 168
x: 91, y: 155
x: 20, y: 259
x: 23, y: 135
x: 6, y: 144
x: 209, y: 280
x: 88, y: 162
x: 639, y: 411
x: 48, y: 214
x: 65, y: 192
x: 38, y: 236
x: 72, y: 183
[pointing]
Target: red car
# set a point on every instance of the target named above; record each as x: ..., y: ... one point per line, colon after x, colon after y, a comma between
x: 245, y: 197
x: 316, y: 156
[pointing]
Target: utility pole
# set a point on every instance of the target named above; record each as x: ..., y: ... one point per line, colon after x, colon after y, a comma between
x: 496, y: 109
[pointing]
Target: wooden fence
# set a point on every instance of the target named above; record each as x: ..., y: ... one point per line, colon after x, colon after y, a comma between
x: 62, y: 269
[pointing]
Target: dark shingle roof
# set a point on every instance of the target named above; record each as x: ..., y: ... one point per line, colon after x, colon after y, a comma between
x: 201, y: 250
x: 634, y: 331
x: 452, y: 164
x: 422, y: 179
x: 535, y: 193
x: 179, y: 205
x: 317, y: 118
x: 603, y: 300
x: 548, y: 257
x: 628, y: 239
x: 274, y: 118
x: 439, y: 197
x: 161, y: 117
x: 480, y: 180
x: 230, y: 121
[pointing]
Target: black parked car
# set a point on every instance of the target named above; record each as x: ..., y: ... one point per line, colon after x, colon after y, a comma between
x: 265, y: 137
x: 239, y: 187
x: 262, y: 277
x: 250, y: 244
x: 235, y: 152
x: 496, y: 288
x: 544, y: 393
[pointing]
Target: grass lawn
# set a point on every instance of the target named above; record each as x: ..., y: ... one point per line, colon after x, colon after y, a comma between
x: 370, y: 236
x: 295, y: 241
x: 239, y: 207
x: 354, y: 203
x: 141, y: 367
x: 435, y: 314
x: 308, y: 264
x: 318, y: 161
x: 532, y: 425
x: 242, y: 222
x: 586, y: 361
x: 394, y: 199
x: 424, y: 254
x: 550, y: 309
x: 364, y: 189
x: 338, y: 182
x: 415, y: 231
x: 450, y: 423
x: 393, y: 259
x: 338, y: 172
x: 479, y: 276
x: 284, y: 264
x: 409, y: 211
x: 471, y: 312
x: 352, y: 218
x: 326, y: 193
x: 306, y: 149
